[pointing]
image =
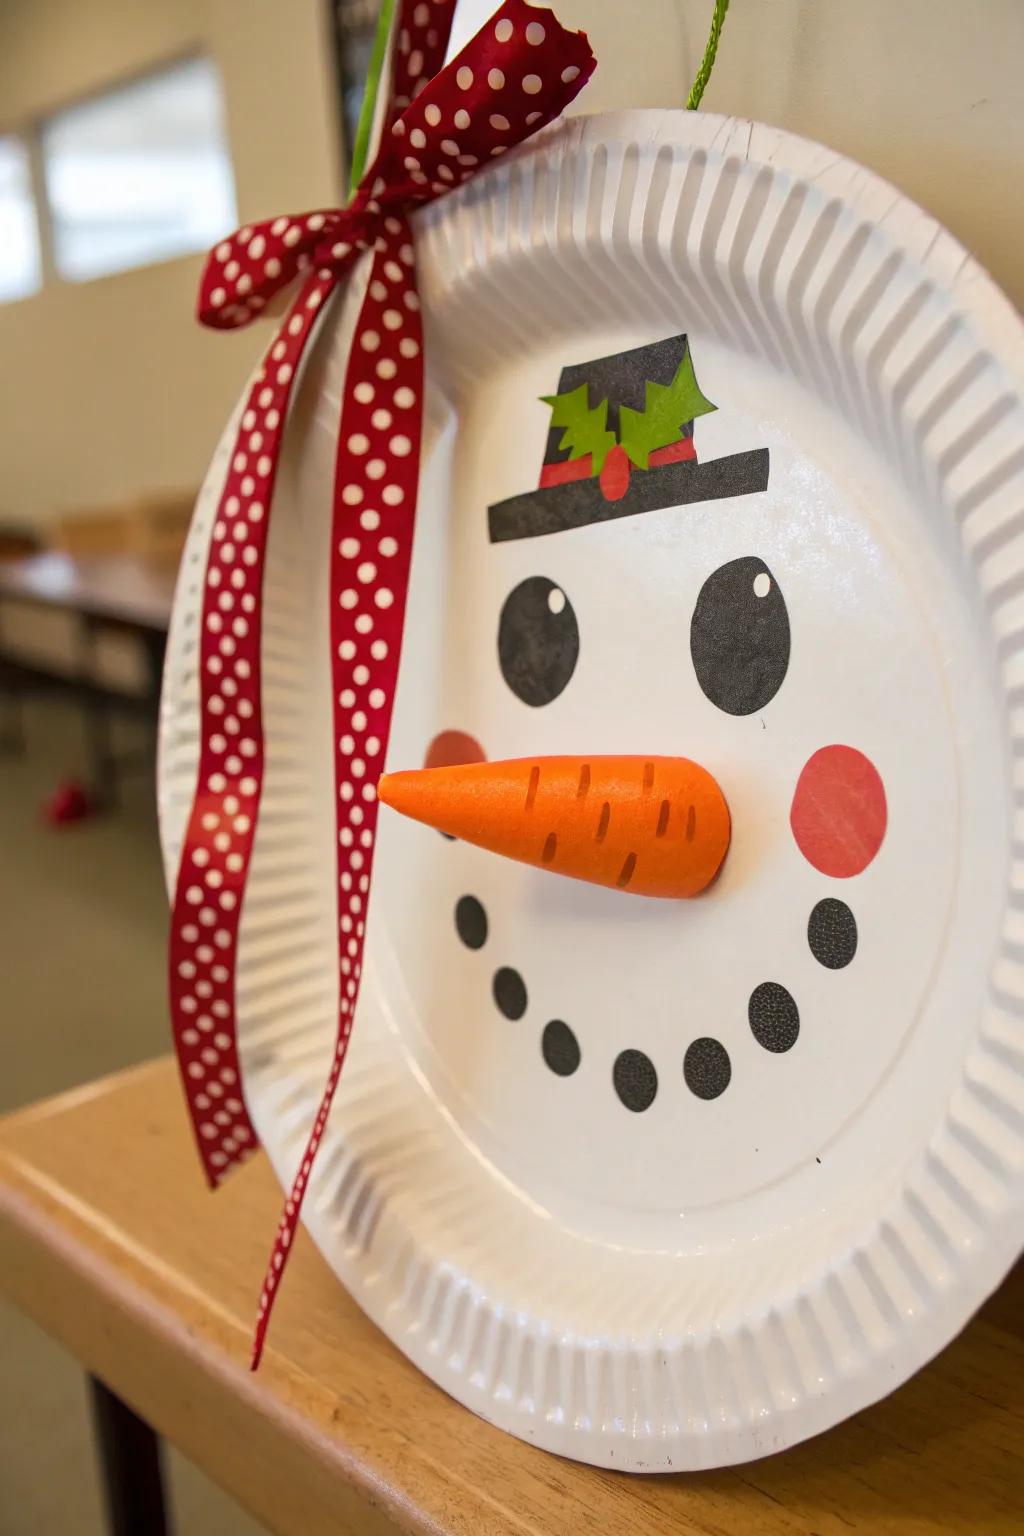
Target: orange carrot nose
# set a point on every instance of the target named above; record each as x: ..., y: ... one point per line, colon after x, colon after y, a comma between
x: 655, y: 826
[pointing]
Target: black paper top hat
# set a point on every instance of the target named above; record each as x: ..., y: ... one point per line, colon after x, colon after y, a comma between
x: 621, y: 442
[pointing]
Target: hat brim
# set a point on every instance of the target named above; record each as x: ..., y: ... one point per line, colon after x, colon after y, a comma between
x: 556, y: 508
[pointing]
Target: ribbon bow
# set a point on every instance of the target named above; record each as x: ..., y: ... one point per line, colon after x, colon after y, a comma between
x: 518, y: 73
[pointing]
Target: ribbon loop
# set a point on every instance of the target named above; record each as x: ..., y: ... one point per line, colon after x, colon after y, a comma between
x: 518, y: 73
x: 249, y: 268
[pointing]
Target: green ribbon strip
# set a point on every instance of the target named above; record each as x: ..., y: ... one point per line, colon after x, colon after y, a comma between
x: 371, y: 91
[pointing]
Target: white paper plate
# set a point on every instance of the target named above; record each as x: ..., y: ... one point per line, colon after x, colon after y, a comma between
x: 705, y: 1281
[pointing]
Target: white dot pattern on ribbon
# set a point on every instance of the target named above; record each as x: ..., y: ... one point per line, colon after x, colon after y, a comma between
x: 218, y: 842
x: 517, y: 79
x: 515, y: 62
x: 377, y: 474
x: 423, y: 31
x: 242, y: 275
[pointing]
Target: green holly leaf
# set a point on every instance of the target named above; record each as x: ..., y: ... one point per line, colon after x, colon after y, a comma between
x: 666, y: 408
x: 586, y: 428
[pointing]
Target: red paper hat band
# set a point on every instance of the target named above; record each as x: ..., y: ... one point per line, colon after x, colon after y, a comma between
x: 681, y: 452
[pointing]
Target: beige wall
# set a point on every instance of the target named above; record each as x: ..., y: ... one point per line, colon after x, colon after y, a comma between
x: 928, y: 93
x: 108, y: 388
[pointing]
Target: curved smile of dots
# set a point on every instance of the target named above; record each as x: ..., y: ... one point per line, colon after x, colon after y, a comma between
x: 772, y: 1012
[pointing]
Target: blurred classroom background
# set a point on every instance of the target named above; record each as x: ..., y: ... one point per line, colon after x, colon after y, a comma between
x: 133, y: 135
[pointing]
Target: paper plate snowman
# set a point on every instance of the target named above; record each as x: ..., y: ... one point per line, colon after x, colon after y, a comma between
x: 683, y: 1114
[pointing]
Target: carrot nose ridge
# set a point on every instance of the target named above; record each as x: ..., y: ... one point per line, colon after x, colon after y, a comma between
x: 652, y: 826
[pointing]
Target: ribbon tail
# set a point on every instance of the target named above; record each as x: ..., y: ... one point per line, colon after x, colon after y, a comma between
x: 218, y: 841
x: 376, y: 474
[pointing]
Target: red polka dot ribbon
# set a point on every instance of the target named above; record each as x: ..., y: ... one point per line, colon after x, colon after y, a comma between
x: 442, y: 125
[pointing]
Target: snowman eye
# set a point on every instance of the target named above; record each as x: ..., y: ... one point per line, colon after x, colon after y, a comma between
x: 538, y: 640
x: 739, y: 636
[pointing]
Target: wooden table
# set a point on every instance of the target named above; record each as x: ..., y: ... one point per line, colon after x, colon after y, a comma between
x: 102, y: 592
x: 112, y: 1243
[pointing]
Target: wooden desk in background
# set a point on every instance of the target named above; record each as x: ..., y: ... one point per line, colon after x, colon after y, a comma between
x: 103, y: 593
x: 112, y: 1243
x: 120, y: 589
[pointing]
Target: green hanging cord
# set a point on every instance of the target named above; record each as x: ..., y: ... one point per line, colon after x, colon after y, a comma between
x: 374, y: 70
x: 708, y: 62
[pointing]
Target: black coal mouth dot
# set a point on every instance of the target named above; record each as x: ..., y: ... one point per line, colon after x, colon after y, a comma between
x: 509, y: 990
x: 560, y: 1048
x: 635, y: 1080
x: 471, y: 922
x: 707, y: 1070
x: 773, y: 1016
x: 832, y: 933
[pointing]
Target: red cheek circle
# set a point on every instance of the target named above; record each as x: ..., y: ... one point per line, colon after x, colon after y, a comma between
x: 450, y: 748
x: 839, y: 813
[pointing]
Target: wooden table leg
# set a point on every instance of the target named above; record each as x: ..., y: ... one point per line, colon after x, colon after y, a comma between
x: 12, y: 715
x: 129, y: 1456
x: 12, y: 706
x: 102, y: 765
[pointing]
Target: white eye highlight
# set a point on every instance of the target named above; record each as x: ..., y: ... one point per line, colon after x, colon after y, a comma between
x: 556, y: 599
x: 762, y: 584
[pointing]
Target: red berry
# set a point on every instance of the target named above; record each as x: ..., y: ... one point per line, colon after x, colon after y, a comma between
x: 614, y: 477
